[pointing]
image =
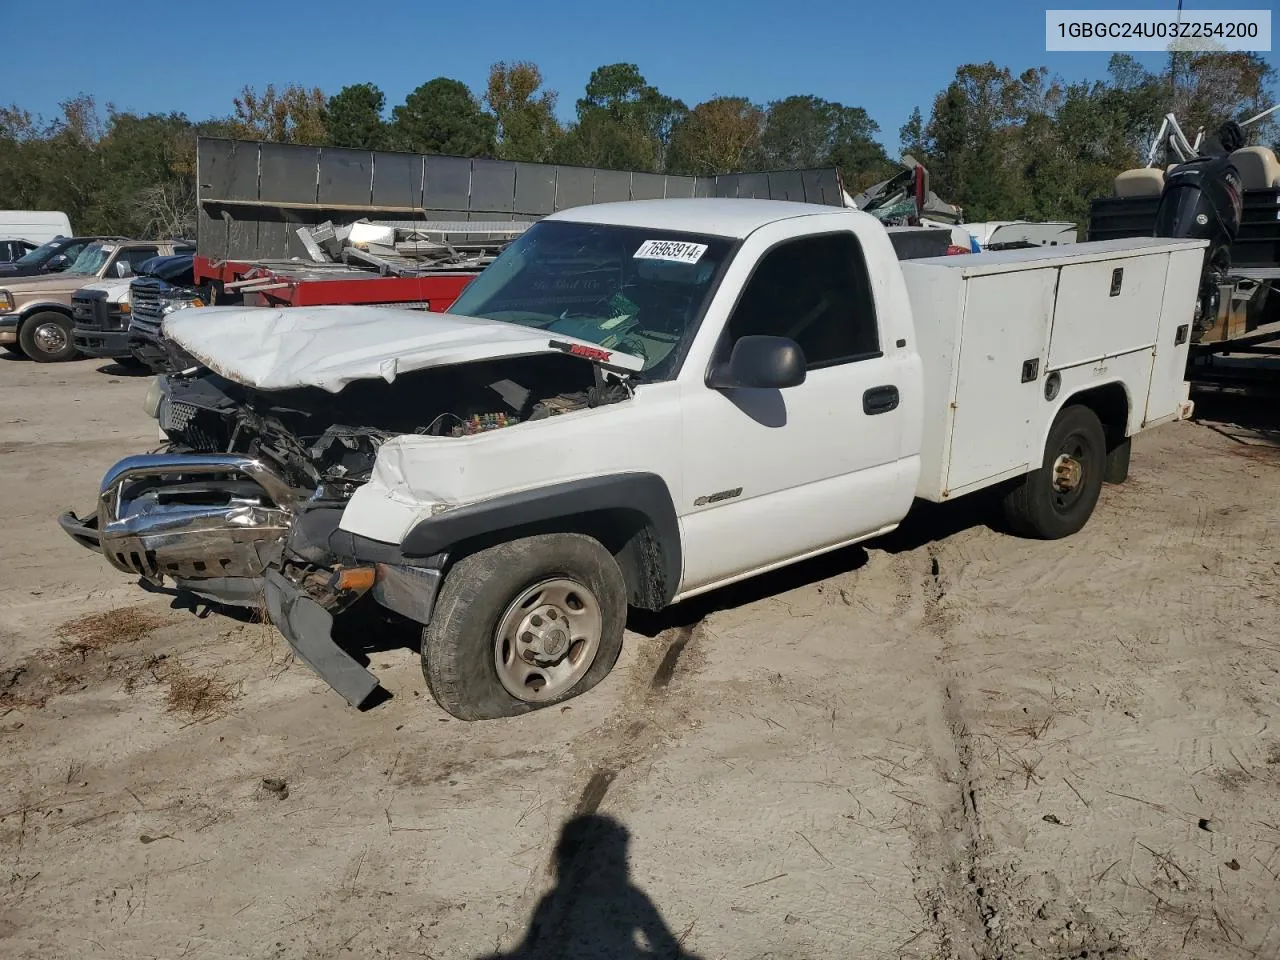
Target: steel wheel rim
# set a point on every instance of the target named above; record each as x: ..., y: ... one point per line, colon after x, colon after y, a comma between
x: 50, y: 338
x: 547, y: 639
x: 1069, y: 476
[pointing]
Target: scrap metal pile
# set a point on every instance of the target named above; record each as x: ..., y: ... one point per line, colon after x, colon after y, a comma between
x: 409, y: 248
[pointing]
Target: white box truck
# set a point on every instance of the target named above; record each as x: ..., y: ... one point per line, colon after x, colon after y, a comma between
x: 635, y: 404
x: 35, y: 226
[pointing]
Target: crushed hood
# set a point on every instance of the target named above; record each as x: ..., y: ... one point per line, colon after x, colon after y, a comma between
x: 272, y: 348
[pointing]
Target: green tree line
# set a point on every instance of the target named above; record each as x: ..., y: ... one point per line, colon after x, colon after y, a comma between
x: 1000, y: 144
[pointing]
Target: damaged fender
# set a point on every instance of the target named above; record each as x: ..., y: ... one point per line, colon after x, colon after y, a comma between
x: 638, y: 506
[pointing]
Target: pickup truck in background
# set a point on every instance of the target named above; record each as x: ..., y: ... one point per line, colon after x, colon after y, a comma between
x: 36, y: 318
x: 634, y: 404
x: 154, y: 299
x: 11, y: 250
x: 102, y: 312
x: 53, y: 256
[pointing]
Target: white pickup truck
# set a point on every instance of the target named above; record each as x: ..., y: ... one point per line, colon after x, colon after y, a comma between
x: 636, y: 403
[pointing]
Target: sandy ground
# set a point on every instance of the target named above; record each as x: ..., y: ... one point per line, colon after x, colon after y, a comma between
x: 953, y: 743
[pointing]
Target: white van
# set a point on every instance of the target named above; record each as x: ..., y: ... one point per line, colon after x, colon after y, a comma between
x: 37, y: 226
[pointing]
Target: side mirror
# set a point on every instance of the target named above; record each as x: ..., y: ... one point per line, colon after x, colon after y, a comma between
x: 760, y: 363
x: 58, y: 263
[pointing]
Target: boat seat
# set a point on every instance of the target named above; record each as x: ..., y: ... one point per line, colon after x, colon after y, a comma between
x: 1258, y: 168
x: 1143, y: 182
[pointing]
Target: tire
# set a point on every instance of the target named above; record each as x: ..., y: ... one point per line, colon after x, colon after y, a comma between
x: 470, y: 650
x: 46, y: 337
x: 1118, y: 461
x: 1039, y: 506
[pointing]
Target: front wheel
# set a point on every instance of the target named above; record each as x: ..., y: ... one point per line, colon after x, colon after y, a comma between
x: 46, y: 338
x: 523, y: 625
x: 1057, y: 500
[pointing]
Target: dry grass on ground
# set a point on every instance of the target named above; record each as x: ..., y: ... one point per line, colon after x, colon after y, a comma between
x: 200, y: 695
x: 99, y: 631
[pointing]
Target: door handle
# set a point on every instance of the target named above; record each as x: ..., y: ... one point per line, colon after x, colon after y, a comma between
x: 880, y: 400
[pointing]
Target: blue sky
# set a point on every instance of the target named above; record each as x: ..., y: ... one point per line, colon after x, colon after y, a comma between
x: 886, y: 57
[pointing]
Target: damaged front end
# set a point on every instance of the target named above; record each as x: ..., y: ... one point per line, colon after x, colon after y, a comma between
x: 242, y: 505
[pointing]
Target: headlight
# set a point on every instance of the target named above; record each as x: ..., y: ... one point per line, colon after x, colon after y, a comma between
x: 6, y: 300
x: 176, y: 305
x: 155, y: 396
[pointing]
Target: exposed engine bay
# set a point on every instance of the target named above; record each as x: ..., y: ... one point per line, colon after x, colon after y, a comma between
x: 328, y: 442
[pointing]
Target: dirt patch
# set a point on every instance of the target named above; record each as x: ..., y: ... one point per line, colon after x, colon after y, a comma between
x: 952, y: 743
x: 85, y: 656
x: 198, y: 695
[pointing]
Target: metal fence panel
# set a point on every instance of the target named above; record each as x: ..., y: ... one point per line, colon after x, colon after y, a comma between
x: 493, y: 186
x: 448, y: 183
x: 680, y: 186
x: 786, y: 185
x: 287, y: 172
x: 535, y: 194
x: 822, y: 186
x: 397, y: 179
x: 345, y: 176
x: 575, y: 186
x: 612, y: 185
x: 648, y: 186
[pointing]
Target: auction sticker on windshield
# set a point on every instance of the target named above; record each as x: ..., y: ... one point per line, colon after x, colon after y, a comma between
x: 676, y: 250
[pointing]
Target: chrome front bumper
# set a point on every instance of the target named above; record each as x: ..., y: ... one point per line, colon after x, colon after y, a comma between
x: 154, y: 517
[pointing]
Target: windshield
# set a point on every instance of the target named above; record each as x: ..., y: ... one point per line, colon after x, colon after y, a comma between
x: 33, y: 258
x: 635, y: 290
x: 92, y: 258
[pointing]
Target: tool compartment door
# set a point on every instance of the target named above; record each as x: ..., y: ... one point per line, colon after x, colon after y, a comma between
x: 1106, y: 309
x: 1169, y: 369
x: 1005, y: 327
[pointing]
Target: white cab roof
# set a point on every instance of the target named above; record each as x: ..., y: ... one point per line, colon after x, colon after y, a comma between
x: 721, y: 217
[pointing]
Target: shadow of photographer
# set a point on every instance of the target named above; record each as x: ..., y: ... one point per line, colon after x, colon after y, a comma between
x: 595, y: 912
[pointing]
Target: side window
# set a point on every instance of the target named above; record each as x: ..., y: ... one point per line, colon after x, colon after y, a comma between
x: 817, y: 292
x: 131, y: 259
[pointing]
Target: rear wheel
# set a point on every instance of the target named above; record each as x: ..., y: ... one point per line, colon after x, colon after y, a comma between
x: 1057, y: 499
x: 523, y: 625
x: 46, y: 337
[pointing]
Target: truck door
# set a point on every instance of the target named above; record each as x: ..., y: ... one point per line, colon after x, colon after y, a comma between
x: 774, y: 475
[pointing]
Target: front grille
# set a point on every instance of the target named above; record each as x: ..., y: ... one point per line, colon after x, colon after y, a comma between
x: 90, y: 311
x: 150, y: 297
x: 147, y: 305
x: 176, y: 415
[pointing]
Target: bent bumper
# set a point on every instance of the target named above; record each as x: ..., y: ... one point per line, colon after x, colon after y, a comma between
x: 148, y: 351
x: 308, y: 627
x: 190, y: 516
x: 154, y: 519
x: 106, y: 344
